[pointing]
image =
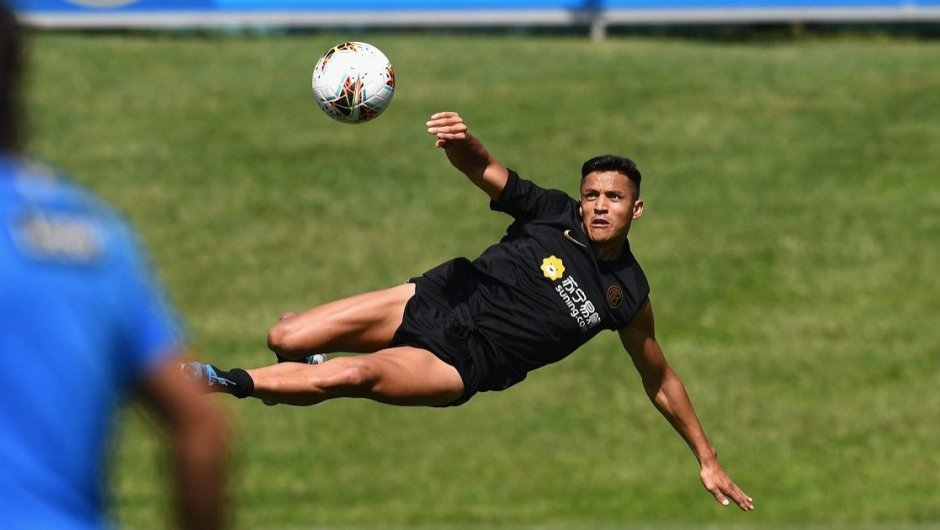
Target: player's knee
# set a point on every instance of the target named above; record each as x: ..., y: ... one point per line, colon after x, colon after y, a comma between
x: 283, y: 336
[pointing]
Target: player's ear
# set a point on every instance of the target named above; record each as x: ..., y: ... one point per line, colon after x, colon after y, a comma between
x: 638, y: 208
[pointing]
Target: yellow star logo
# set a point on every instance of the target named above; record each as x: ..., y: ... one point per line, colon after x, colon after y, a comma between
x: 553, y: 268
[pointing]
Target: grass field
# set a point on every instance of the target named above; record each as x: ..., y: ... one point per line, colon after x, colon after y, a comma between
x: 791, y: 236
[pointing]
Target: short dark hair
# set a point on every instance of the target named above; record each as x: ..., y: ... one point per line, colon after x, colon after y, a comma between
x: 11, y: 67
x: 618, y: 164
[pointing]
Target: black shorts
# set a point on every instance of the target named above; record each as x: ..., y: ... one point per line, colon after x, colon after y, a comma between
x: 438, y: 319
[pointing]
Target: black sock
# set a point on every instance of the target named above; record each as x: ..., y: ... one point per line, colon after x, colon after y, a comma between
x: 242, y: 385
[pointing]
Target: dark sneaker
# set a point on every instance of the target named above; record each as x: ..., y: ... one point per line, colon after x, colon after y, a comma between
x: 316, y: 358
x: 205, y: 376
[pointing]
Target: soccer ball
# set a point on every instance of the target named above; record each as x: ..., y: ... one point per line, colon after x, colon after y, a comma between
x: 353, y: 82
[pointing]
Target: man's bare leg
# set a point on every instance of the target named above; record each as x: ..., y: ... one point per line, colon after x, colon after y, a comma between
x: 358, y: 324
x: 397, y: 376
x: 364, y: 323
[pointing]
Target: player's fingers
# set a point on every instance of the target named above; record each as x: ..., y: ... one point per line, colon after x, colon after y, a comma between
x: 435, y: 126
x: 720, y: 497
x: 440, y: 115
x: 454, y: 121
x: 740, y: 498
x: 451, y: 131
x: 444, y: 122
x: 744, y: 502
x: 715, y: 490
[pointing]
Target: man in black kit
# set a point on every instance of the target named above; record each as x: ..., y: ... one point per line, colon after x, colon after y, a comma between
x: 562, y: 273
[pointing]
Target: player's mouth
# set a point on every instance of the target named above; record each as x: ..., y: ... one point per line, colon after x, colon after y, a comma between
x: 599, y: 223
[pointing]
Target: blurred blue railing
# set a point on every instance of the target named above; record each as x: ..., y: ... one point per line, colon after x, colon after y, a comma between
x: 597, y: 14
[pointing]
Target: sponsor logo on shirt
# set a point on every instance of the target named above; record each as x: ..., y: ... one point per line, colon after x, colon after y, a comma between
x: 58, y: 237
x: 575, y: 299
x: 553, y: 268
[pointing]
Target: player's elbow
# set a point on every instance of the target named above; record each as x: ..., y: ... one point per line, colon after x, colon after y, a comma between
x: 654, y: 391
x: 654, y: 383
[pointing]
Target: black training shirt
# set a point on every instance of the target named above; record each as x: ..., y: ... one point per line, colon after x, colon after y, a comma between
x: 541, y: 293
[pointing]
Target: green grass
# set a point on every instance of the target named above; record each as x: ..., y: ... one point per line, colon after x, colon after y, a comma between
x: 791, y: 237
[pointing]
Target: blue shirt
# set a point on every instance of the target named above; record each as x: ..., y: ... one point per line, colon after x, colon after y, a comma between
x: 82, y: 322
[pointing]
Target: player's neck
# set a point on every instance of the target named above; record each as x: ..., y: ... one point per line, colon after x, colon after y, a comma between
x: 608, y: 250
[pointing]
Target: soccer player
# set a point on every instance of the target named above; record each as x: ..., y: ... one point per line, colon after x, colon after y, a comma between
x: 563, y: 272
x: 84, y: 325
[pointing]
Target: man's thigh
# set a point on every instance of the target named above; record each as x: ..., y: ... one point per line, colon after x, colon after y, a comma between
x: 407, y: 375
x: 358, y: 324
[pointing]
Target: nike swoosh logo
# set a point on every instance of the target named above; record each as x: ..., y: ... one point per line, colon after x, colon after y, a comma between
x: 571, y: 238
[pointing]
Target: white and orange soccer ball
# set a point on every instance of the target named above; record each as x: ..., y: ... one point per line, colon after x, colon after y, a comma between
x: 353, y: 82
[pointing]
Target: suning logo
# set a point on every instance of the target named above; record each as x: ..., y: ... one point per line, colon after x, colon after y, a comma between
x: 580, y: 308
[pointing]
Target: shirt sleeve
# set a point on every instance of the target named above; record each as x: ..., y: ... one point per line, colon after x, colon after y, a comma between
x: 524, y: 200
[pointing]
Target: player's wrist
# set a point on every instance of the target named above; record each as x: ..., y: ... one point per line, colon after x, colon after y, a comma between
x: 707, y: 457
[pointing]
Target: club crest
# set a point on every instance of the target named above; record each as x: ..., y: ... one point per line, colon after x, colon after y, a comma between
x: 614, y: 296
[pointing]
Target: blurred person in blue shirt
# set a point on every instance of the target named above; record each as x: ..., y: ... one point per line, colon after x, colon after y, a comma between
x: 84, y: 325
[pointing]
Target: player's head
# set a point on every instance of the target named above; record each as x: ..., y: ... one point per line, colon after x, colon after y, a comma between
x: 617, y: 164
x: 609, y: 202
x: 11, y: 66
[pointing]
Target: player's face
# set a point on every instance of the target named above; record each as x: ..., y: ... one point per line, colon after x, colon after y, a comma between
x: 608, y: 207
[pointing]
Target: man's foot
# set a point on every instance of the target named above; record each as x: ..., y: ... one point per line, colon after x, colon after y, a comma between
x: 205, y: 376
x: 316, y: 358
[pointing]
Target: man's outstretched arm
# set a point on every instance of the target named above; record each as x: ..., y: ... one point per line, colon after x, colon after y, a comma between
x: 467, y: 154
x: 667, y: 392
x: 198, y: 435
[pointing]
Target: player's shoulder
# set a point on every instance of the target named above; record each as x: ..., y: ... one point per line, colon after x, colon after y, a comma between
x: 627, y: 294
x: 529, y: 195
x: 47, y: 210
x: 526, y: 185
x: 38, y: 184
